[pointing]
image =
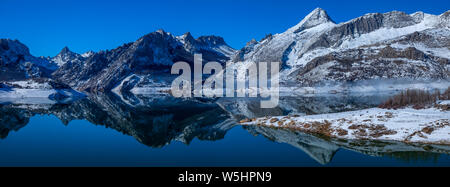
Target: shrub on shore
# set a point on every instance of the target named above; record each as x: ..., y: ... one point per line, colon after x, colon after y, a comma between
x: 416, y: 98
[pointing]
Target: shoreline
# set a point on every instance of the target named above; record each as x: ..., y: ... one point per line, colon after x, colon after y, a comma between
x: 408, y: 125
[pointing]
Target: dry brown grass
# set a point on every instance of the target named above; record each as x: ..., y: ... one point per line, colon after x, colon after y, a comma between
x: 273, y: 120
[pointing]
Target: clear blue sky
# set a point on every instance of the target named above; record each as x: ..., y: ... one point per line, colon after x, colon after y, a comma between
x: 47, y: 26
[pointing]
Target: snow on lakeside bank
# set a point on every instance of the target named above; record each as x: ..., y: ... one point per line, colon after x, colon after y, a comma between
x: 38, y: 89
x: 429, y: 126
x: 37, y: 96
x: 36, y: 92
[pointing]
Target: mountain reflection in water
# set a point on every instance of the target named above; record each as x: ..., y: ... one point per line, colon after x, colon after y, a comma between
x: 158, y: 120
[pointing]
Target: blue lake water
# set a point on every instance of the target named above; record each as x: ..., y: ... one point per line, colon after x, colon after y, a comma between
x: 109, y: 131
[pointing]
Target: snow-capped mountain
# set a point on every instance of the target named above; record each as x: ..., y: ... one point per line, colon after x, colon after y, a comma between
x: 375, y: 46
x: 144, y: 61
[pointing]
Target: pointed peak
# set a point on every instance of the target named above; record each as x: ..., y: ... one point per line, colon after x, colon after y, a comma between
x: 187, y: 36
x: 160, y: 31
x: 65, y: 50
x: 316, y: 17
x: 318, y: 9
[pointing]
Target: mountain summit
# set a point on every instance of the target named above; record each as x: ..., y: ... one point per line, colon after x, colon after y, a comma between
x: 66, y: 55
x: 317, y: 17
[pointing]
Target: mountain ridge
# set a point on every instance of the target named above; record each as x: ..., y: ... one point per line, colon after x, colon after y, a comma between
x: 373, y: 46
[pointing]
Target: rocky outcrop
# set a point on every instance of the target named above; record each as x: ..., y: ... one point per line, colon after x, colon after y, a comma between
x: 365, y: 64
x: 16, y: 62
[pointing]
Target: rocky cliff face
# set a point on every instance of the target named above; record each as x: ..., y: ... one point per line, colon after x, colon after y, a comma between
x: 16, y: 62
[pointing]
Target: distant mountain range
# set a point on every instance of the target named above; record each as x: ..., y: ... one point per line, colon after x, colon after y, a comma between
x: 376, y: 46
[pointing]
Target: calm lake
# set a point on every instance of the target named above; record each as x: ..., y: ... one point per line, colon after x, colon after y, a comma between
x: 159, y: 130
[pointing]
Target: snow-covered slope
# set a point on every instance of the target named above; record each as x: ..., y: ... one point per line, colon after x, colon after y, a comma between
x: 38, y: 91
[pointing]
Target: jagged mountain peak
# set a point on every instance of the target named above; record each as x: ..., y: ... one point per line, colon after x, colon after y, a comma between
x: 65, y: 55
x: 212, y: 43
x: 318, y: 13
x: 317, y: 17
x: 160, y: 31
x: 157, y: 33
x: 66, y: 52
x: 186, y: 38
x: 211, y: 40
x: 187, y: 35
x: 65, y: 49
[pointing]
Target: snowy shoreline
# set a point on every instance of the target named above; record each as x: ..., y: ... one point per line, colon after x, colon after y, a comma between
x: 38, y: 96
x: 426, y: 126
x: 34, y: 92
